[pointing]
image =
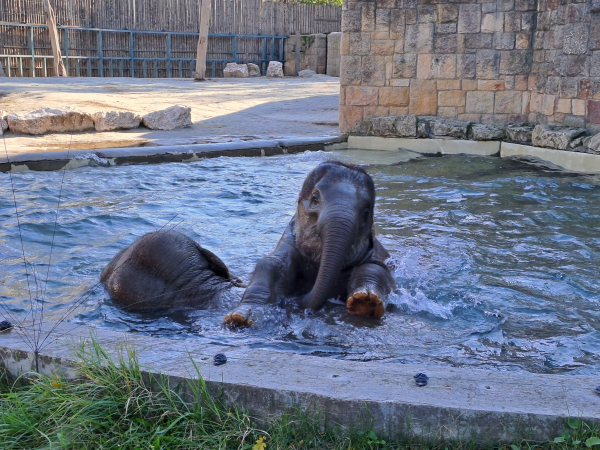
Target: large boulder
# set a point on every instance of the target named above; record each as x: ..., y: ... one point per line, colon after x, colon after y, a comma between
x: 116, y: 120
x: 168, y: 119
x: 253, y: 70
x: 389, y: 126
x: 383, y: 126
x: 487, y: 132
x: 275, y: 69
x: 45, y: 120
x: 448, y: 128
x: 594, y: 143
x: 519, y: 132
x: 406, y: 126
x: 234, y: 70
x: 554, y: 136
x: 3, y: 122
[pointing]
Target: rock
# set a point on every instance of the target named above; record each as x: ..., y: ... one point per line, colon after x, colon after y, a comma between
x: 275, y: 69
x: 362, y: 128
x: 168, y: 119
x: 577, y: 142
x: 46, y: 120
x: 594, y: 143
x: 487, y: 132
x: 553, y: 136
x: 406, y: 126
x: 116, y: 120
x: 253, y: 70
x: 2, y: 74
x: 383, y: 126
x: 453, y: 128
x: 3, y: 122
x: 423, y: 130
x: 234, y: 70
x: 306, y: 73
x: 519, y: 133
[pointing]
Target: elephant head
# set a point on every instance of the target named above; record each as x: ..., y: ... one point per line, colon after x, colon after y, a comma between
x: 334, y: 224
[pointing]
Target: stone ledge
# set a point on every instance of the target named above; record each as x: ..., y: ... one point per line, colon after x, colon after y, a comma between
x: 573, y: 161
x: 168, y: 153
x: 426, y: 146
x: 458, y: 403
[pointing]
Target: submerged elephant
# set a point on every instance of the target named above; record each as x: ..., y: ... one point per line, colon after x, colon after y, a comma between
x: 165, y: 270
x: 327, y: 250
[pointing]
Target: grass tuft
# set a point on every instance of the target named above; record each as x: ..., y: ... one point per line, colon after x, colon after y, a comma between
x: 116, y: 405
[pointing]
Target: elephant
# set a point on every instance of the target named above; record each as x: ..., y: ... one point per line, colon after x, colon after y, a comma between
x: 165, y: 270
x: 328, y: 250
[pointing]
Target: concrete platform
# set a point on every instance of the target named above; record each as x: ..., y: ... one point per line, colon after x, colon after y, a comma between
x: 467, y: 404
x: 573, y: 161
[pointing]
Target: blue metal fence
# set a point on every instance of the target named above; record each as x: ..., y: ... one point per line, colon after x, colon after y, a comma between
x: 272, y: 49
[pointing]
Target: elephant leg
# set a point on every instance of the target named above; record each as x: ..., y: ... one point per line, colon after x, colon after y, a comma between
x: 368, y: 289
x: 268, y: 274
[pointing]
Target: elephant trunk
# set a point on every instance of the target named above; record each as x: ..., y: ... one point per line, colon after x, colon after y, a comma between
x: 337, y: 232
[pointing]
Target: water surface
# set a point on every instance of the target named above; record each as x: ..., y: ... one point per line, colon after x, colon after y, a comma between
x: 496, y: 261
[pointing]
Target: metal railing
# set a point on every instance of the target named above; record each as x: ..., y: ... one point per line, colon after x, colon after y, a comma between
x: 122, y: 66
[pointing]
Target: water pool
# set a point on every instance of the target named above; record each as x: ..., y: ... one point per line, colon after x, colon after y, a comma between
x: 496, y: 261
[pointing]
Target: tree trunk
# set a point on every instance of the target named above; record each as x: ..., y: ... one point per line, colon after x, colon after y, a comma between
x: 202, y: 41
x: 59, y: 67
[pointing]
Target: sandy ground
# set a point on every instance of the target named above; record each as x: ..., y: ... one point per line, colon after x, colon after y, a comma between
x: 222, y: 109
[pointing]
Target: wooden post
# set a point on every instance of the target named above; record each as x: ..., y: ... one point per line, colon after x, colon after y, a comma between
x: 202, y: 41
x: 59, y: 67
x: 297, y: 53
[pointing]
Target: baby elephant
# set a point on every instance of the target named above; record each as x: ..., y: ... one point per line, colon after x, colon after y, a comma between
x: 165, y: 270
x: 328, y: 249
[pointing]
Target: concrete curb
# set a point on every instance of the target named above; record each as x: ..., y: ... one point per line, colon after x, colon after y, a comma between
x: 573, y: 161
x: 466, y: 404
x: 168, y: 153
x: 426, y: 146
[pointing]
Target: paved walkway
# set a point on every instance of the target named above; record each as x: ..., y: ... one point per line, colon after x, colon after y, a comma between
x: 223, y: 110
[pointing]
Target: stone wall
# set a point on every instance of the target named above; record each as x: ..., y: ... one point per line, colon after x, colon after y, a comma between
x: 333, y: 54
x: 313, y: 51
x: 490, y: 61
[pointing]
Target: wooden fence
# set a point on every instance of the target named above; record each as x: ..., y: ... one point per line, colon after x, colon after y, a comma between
x: 232, y: 17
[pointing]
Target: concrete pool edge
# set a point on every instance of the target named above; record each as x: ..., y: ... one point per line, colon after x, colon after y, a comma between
x: 563, y: 159
x: 168, y: 153
x: 457, y: 403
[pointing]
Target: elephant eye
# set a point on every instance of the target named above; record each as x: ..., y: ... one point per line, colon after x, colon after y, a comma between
x: 366, y: 214
x: 315, y: 199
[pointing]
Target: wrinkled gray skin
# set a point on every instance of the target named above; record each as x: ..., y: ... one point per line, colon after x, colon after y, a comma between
x: 328, y: 249
x: 165, y: 270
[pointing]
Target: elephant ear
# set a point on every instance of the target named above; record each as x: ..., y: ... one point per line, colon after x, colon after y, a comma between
x: 214, y: 262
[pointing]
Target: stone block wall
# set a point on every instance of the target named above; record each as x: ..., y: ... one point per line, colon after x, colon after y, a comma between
x: 313, y: 51
x: 490, y: 61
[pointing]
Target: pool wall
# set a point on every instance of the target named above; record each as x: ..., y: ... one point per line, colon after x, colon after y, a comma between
x: 495, y: 62
x: 466, y: 404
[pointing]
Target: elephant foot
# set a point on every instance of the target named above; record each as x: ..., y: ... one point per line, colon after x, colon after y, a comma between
x: 239, y: 317
x: 366, y: 303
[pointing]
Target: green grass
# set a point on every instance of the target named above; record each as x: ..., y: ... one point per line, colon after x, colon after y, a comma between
x: 114, y: 405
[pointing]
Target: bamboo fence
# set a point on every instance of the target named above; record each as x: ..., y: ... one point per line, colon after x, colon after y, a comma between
x: 235, y: 17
